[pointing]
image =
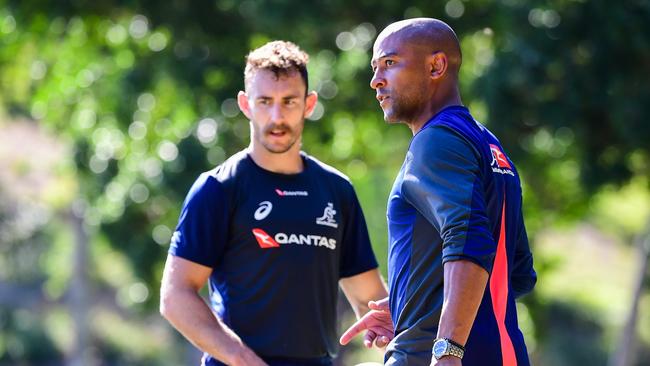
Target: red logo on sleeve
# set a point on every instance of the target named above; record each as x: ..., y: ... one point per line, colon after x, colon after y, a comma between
x: 264, y: 240
x: 499, y: 158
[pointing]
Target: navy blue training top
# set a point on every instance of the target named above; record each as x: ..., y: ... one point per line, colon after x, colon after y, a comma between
x: 457, y: 197
x: 278, y: 245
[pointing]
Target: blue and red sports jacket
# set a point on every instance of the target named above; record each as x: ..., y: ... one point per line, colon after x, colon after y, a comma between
x: 457, y: 197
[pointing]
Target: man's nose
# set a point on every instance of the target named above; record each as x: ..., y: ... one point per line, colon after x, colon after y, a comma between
x: 277, y: 114
x: 377, y: 80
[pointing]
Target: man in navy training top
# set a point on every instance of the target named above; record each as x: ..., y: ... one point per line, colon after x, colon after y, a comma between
x: 458, y: 250
x: 274, y: 231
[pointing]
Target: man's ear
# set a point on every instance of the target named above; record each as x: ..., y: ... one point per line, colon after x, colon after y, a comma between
x: 310, y: 103
x: 242, y: 102
x: 438, y: 65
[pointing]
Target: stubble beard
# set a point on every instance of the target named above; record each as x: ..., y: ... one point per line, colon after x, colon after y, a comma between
x: 404, y: 109
x: 406, y: 105
x: 275, y: 149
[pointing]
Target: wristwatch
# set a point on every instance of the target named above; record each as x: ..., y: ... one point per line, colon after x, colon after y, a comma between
x: 446, y: 347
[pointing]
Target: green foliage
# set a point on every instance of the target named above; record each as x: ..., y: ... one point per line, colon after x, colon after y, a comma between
x: 567, y: 92
x: 141, y: 94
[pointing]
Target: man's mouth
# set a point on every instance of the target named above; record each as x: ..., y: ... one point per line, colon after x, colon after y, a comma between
x: 278, y: 132
x: 382, y: 98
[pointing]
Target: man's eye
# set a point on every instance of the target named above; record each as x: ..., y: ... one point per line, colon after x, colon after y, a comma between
x: 389, y: 62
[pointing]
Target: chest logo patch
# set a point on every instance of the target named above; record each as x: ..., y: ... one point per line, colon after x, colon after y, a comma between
x: 328, y: 216
x: 263, y: 211
x: 500, y: 163
x: 283, y: 193
x: 264, y: 240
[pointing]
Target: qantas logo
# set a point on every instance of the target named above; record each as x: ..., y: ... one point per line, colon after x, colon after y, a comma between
x: 282, y: 193
x: 265, y: 240
x: 263, y: 211
x: 500, y: 163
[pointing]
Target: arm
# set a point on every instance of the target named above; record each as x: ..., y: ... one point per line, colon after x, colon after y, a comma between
x: 363, y: 288
x: 183, y: 307
x: 465, y: 284
x: 361, y: 282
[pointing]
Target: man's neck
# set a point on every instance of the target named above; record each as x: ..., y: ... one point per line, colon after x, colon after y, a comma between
x: 289, y: 162
x: 434, y: 108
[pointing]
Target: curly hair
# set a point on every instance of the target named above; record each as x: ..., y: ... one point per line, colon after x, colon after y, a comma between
x: 280, y: 57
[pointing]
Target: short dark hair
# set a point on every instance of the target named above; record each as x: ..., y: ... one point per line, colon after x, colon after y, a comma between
x: 280, y: 57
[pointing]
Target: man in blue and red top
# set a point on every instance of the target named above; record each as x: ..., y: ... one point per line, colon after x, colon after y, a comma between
x: 459, y: 253
x: 275, y: 232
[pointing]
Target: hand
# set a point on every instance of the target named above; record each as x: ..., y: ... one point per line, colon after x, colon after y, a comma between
x: 378, y: 324
x: 446, y: 361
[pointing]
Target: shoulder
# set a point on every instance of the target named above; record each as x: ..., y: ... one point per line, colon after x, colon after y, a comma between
x: 230, y: 169
x: 440, y: 148
x: 328, y: 172
x: 222, y: 176
x: 438, y: 140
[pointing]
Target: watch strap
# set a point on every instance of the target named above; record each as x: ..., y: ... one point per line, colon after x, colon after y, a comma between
x: 453, y: 349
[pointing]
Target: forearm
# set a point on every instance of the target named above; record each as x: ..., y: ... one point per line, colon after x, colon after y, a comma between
x: 464, y: 286
x: 363, y: 288
x: 361, y: 307
x: 192, y: 317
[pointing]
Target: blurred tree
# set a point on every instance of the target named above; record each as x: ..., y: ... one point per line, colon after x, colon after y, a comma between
x: 567, y: 92
x: 142, y: 96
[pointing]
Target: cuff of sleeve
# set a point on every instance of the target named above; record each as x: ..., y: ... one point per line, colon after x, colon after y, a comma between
x: 358, y: 270
x: 484, y: 262
x: 192, y: 258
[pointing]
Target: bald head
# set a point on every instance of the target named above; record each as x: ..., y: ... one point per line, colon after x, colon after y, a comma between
x: 428, y: 35
x: 415, y: 65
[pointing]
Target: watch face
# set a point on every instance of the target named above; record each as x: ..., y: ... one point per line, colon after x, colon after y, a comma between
x: 440, y: 347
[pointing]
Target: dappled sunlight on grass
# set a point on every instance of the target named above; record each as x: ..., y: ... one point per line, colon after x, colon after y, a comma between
x: 589, y: 268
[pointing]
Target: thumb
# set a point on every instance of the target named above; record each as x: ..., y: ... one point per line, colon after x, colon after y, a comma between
x: 381, y: 305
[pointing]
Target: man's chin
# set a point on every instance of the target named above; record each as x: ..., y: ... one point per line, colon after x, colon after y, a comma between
x: 277, y: 149
x: 390, y: 118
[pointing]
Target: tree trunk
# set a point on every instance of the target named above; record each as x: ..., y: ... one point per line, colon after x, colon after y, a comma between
x: 78, y: 295
x: 625, y: 352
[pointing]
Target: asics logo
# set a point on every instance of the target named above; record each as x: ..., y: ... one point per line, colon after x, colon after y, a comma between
x: 263, y: 211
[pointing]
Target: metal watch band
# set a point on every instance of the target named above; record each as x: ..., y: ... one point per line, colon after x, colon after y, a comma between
x: 456, y: 350
x: 453, y: 348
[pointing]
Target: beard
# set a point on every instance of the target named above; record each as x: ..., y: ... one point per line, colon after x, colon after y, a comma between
x: 264, y: 137
x: 406, y: 105
x: 403, y: 109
